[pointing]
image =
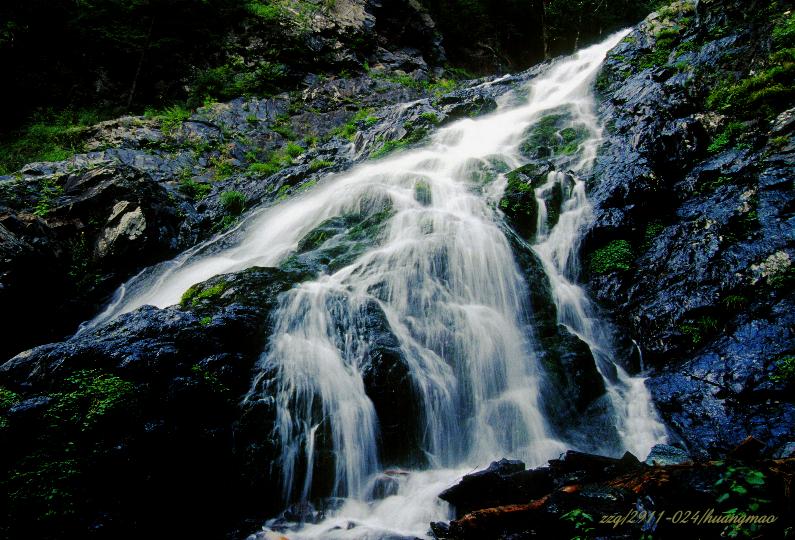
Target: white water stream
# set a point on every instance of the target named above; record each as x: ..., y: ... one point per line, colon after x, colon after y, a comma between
x: 446, y: 279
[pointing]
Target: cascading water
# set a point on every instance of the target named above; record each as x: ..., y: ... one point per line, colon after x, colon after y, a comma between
x: 444, y: 278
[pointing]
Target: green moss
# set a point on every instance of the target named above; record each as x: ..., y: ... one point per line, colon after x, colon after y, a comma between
x: 652, y: 231
x: 422, y: 192
x: 615, y: 256
x: 233, y: 202
x: 784, y: 370
x: 518, y: 202
x: 195, y: 295
x: 206, y: 321
x: 89, y: 396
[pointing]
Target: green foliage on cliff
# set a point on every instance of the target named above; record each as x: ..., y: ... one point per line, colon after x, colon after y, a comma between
x: 89, y: 396
x: 50, y: 136
x: 615, y: 256
x: 767, y: 88
x: 233, y: 202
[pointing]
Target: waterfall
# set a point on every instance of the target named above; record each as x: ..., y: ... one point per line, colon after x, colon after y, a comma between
x: 443, y: 277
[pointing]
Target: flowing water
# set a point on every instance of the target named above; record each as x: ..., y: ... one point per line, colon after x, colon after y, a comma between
x: 443, y: 274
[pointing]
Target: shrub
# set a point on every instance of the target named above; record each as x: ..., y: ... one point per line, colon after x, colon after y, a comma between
x: 172, y: 118
x: 729, y: 135
x: 233, y: 202
x: 195, y: 191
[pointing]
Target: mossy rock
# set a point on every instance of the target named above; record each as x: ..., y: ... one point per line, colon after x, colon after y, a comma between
x: 340, y: 240
x: 519, y: 203
x: 256, y: 286
x: 422, y: 193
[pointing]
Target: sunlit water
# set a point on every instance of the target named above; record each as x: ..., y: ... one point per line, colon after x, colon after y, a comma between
x: 445, y: 277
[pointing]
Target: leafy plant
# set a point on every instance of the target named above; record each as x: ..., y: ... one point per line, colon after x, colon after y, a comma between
x: 233, y: 202
x: 615, y: 256
x: 49, y: 189
x: 89, y: 396
x: 583, y: 522
x: 729, y: 135
x: 784, y: 370
x: 740, y: 488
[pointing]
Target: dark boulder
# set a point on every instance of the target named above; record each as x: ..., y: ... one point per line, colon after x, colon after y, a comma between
x: 137, y: 427
x: 69, y: 239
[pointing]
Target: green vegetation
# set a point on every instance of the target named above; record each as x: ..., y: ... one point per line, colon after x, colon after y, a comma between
x: 413, y: 135
x: 363, y: 119
x: 582, y: 521
x: 233, y: 202
x: 652, y: 231
x: 318, y: 164
x: 8, y: 399
x: 784, y: 370
x: 195, y: 191
x: 665, y: 42
x: 699, y: 329
x: 422, y: 192
x: 206, y: 321
x: 293, y: 150
x: 277, y: 160
x: 767, y: 89
x: 89, y: 396
x: 734, y: 302
x: 615, y: 256
x: 729, y: 135
x: 170, y: 118
x: 49, y: 190
x: 195, y: 295
x: 209, y: 378
x: 740, y: 490
x: 50, y: 136
x: 518, y: 201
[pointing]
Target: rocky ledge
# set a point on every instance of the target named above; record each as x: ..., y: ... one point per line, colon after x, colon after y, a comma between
x: 669, y: 495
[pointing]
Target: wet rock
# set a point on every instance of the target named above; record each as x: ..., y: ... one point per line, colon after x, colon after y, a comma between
x: 663, y: 454
x: 503, y: 482
x: 700, y: 211
x: 147, y: 412
x: 88, y: 230
x: 594, y: 491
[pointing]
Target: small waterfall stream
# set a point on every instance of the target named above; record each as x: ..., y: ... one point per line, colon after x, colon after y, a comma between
x: 444, y: 278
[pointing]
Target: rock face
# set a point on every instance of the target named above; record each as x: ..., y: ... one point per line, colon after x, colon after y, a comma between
x: 692, y: 243
x: 88, y: 230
